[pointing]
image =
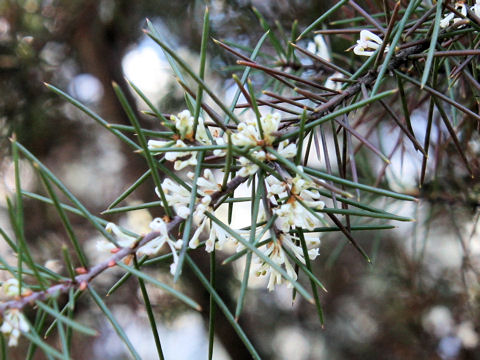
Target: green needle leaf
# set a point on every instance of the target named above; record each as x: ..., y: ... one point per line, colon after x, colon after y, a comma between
x: 161, y: 285
x: 241, y: 334
x: 98, y: 300
x: 69, y: 322
x: 433, y: 44
x: 321, y: 19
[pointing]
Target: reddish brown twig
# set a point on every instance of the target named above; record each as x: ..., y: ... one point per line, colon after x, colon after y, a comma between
x: 82, y: 280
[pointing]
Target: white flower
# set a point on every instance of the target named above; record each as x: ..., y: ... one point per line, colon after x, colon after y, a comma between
x: 11, y: 288
x: 292, y: 213
x: 319, y: 47
x: 174, y: 155
x: 476, y: 8
x: 123, y: 239
x: 206, y: 184
x: 299, y: 183
x: 270, y: 124
x: 275, y: 253
x: 151, y: 248
x: 182, y: 211
x: 287, y: 150
x: 14, y: 323
x: 174, y: 246
x: 247, y: 167
x: 201, y: 134
x: 217, y: 236
x: 259, y: 155
x: 177, y: 196
x: 220, y: 141
x: 154, y: 246
x: 173, y: 267
x: 334, y: 85
x: 248, y: 133
x: 310, y: 197
x: 159, y: 225
x: 184, y: 124
x: 462, y: 9
x: 292, y: 243
x: 201, y: 208
x: 445, y: 22
x: 368, y: 43
x: 195, y: 240
x: 157, y: 144
x: 276, y: 187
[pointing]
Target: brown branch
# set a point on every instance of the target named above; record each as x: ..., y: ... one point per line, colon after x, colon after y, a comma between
x: 82, y: 280
x: 367, y: 16
x: 366, y: 80
x: 231, y: 186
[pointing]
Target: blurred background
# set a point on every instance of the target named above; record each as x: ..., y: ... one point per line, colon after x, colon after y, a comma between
x: 419, y: 299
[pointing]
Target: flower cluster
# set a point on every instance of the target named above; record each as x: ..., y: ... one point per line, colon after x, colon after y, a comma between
x: 368, y: 44
x: 249, y: 134
x: 179, y: 197
x: 11, y: 288
x: 184, y: 124
x: 13, y: 322
x: 275, y: 252
x: 476, y: 8
x: 293, y: 202
x: 293, y: 212
x: 252, y: 133
x: 462, y: 9
x: 153, y: 247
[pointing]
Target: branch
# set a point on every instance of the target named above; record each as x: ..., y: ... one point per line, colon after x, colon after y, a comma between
x: 368, y: 79
x: 81, y: 281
